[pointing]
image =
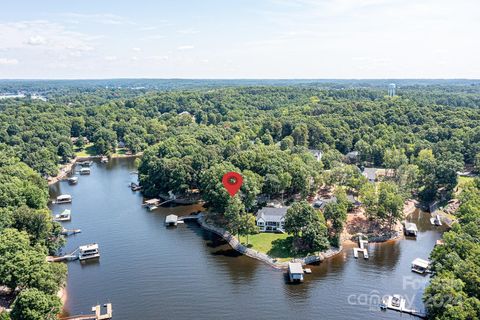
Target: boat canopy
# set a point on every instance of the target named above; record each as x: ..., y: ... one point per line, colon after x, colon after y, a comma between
x: 421, y: 263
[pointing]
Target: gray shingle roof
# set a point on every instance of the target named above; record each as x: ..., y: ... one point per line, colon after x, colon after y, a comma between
x: 272, y: 214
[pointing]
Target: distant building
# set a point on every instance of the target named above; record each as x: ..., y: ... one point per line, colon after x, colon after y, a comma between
x: 316, y: 153
x: 392, y: 87
x: 352, y: 157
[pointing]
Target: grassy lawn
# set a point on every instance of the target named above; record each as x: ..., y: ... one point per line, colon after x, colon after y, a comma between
x: 276, y: 245
x: 119, y: 151
x: 88, y: 151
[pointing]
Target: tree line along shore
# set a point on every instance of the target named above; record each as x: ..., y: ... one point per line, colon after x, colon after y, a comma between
x: 293, y: 146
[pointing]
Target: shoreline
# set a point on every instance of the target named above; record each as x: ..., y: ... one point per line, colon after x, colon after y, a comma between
x: 237, y: 246
x: 67, y: 168
x: 409, y: 207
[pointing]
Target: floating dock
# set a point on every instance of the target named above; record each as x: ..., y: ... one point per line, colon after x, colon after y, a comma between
x: 436, y: 221
x: 69, y: 232
x: 362, y: 248
x: 97, y: 314
x: 388, y: 304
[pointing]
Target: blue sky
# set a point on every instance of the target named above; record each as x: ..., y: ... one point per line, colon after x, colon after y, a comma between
x: 240, y: 39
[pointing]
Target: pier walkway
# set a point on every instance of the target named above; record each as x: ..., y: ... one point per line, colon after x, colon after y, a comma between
x: 96, y: 316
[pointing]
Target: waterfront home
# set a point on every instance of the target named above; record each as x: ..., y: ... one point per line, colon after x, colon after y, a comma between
x: 295, y: 271
x: 420, y: 265
x: 89, y: 251
x: 410, y: 229
x: 85, y: 171
x: 64, y: 198
x: 271, y: 219
x: 171, y: 220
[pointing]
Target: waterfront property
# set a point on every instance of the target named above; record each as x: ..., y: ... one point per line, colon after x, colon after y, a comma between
x: 420, y: 265
x: 410, y: 229
x: 64, y: 198
x: 89, y: 251
x: 271, y: 219
x: 295, y: 272
x: 104, y: 159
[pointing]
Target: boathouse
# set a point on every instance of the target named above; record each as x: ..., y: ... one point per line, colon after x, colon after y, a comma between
x: 420, y: 265
x: 152, y: 204
x: 171, y: 220
x: 64, y: 198
x: 295, y: 271
x: 410, y: 229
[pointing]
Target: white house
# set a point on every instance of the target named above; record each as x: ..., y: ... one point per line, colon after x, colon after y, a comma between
x: 271, y: 219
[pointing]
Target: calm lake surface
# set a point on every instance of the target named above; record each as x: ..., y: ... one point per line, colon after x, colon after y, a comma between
x: 150, y: 272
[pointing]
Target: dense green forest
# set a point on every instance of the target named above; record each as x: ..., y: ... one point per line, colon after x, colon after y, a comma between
x: 191, y: 137
x: 454, y: 291
x: 27, y: 235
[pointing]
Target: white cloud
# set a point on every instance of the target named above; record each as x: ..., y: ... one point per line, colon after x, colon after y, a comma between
x: 36, y: 40
x: 8, y: 62
x: 110, y: 58
x: 25, y: 34
x: 136, y: 49
x: 185, y: 47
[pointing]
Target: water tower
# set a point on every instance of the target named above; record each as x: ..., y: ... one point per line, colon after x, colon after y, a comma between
x: 391, y: 89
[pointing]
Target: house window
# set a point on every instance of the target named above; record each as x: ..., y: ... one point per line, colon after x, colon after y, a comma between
x: 271, y: 223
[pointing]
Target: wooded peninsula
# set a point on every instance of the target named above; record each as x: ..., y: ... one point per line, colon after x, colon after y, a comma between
x: 319, y: 150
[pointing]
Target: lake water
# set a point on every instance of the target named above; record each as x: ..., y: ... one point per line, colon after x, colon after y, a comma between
x: 150, y: 272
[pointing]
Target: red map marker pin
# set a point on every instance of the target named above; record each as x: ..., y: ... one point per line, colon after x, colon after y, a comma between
x: 232, y: 181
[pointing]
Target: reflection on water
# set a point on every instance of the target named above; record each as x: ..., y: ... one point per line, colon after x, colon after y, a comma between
x: 149, y: 272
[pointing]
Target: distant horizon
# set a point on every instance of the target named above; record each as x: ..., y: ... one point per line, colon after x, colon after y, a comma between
x: 236, y: 79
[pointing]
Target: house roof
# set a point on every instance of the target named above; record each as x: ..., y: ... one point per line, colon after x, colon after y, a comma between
x: 410, y: 226
x: 272, y: 214
x: 370, y: 173
x: 171, y: 218
x: 421, y: 263
x: 295, y: 267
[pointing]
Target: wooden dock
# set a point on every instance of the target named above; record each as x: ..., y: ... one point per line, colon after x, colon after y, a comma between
x: 97, y: 315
